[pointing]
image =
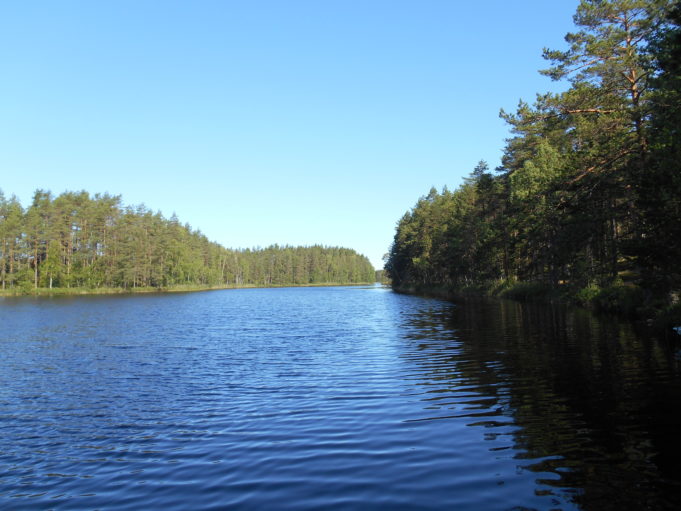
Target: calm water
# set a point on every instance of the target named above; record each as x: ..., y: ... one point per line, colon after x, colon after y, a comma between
x: 341, y: 398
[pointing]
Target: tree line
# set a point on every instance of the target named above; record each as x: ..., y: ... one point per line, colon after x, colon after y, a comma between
x: 588, y: 195
x: 76, y: 240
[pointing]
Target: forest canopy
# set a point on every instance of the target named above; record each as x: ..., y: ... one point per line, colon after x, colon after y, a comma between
x: 76, y: 240
x: 588, y: 195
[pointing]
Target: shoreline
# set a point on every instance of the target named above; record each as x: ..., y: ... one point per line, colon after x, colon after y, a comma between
x: 84, y: 291
x: 623, y: 301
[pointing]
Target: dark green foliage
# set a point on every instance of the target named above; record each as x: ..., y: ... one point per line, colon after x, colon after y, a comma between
x: 659, y: 186
x: 619, y: 298
x: 79, y: 241
x: 589, y: 193
x: 529, y: 291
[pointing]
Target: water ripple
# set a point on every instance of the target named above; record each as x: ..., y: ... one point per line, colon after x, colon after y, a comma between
x: 343, y: 398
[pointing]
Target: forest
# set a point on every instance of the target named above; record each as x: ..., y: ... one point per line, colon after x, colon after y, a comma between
x: 587, y: 200
x: 78, y: 241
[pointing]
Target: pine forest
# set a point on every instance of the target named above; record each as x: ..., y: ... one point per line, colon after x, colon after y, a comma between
x: 76, y: 240
x: 588, y: 197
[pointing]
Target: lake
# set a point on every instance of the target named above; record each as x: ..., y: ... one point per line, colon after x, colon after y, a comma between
x: 332, y: 398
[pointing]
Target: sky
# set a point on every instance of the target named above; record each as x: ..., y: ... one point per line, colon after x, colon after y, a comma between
x: 260, y: 122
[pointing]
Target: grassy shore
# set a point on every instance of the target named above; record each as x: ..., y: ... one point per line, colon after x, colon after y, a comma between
x: 75, y: 291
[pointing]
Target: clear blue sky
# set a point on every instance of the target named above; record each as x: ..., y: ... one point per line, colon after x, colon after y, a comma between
x: 260, y: 122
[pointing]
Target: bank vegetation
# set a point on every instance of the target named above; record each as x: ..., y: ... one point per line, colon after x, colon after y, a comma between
x: 587, y: 202
x: 76, y: 243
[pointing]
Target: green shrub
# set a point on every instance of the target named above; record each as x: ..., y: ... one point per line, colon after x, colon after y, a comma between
x: 587, y: 295
x: 528, y: 291
x: 620, y: 298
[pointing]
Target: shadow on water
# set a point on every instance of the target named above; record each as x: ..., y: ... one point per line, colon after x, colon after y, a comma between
x: 593, y: 401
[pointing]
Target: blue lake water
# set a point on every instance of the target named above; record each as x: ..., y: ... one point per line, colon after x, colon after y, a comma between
x: 332, y: 398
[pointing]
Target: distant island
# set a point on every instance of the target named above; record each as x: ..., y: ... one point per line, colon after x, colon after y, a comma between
x: 76, y: 243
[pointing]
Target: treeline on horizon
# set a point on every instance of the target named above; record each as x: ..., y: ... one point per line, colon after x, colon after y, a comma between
x: 76, y: 240
x: 588, y: 196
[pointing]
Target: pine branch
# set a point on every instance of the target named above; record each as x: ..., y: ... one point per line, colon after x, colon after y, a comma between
x: 601, y: 164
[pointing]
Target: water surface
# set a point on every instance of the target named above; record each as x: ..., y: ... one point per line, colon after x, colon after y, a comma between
x: 331, y: 398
